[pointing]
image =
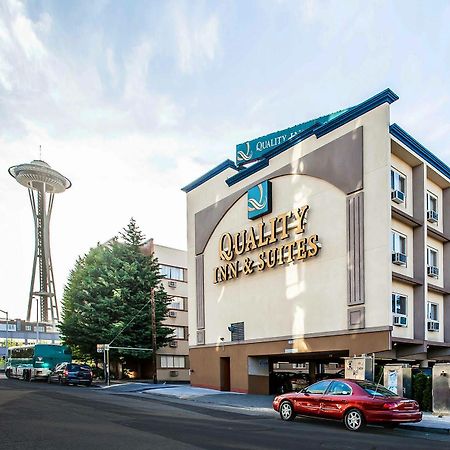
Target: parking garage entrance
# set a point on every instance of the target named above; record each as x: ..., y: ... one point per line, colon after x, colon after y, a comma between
x: 277, y: 374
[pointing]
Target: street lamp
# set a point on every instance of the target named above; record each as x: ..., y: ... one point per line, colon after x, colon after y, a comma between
x: 7, y: 326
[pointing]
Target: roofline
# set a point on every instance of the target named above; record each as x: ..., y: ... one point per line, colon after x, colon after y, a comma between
x: 386, y: 96
x: 406, y: 139
x: 208, y: 175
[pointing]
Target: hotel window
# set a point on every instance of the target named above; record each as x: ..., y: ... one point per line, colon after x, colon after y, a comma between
x: 398, y: 186
x: 399, y: 309
x: 398, y: 242
x: 432, y: 263
x: 432, y: 208
x: 27, y: 327
x: 433, y: 311
x: 176, y: 303
x: 172, y: 273
x: 172, y: 362
x: 178, y: 333
x: 433, y: 316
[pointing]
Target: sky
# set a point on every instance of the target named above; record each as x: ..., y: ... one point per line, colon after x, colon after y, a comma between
x: 133, y: 100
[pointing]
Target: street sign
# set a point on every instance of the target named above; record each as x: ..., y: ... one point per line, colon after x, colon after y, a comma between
x: 102, y: 347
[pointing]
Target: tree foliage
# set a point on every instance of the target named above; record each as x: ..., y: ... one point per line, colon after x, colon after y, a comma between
x: 108, y: 289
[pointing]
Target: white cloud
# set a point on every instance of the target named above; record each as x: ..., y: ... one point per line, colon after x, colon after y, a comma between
x: 197, y: 41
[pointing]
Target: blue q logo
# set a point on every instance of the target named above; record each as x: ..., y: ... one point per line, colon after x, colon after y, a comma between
x: 243, y: 153
x: 259, y: 199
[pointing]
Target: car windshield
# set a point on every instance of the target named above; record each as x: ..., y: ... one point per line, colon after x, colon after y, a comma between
x: 376, y: 389
x: 74, y: 367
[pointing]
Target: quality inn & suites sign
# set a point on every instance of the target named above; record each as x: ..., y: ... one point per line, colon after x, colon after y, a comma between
x: 280, y: 240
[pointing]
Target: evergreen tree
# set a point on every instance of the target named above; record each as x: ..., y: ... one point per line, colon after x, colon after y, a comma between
x: 107, y: 297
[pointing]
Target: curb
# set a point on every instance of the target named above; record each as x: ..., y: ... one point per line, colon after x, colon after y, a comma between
x: 258, y: 410
x: 425, y: 429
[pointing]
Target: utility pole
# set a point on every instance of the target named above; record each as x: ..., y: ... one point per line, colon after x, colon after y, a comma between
x: 37, y: 320
x: 152, y: 303
x: 7, y: 325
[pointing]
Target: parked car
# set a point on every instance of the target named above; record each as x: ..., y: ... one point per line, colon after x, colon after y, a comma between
x: 70, y: 373
x: 353, y: 401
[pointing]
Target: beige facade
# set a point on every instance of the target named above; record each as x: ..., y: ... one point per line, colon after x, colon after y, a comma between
x: 173, y: 360
x: 317, y: 277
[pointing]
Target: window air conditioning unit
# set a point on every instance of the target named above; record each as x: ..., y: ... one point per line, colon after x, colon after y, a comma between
x: 433, y: 271
x: 398, y: 196
x: 400, y: 320
x: 432, y: 216
x: 433, y: 325
x: 173, y: 344
x: 399, y: 259
x: 172, y: 284
x: 173, y: 373
x: 172, y: 314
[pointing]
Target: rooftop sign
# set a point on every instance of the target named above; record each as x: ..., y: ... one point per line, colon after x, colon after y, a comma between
x: 255, y: 149
x: 252, y: 150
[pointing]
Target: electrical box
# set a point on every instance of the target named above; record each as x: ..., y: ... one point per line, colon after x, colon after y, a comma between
x: 441, y: 388
x: 397, y: 378
x: 359, y: 368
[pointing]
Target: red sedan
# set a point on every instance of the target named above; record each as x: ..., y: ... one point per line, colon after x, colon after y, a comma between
x: 353, y: 401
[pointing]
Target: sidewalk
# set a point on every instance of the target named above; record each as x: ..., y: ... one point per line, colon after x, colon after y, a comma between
x: 249, y: 402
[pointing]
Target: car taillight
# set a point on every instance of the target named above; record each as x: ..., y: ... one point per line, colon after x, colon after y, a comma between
x: 66, y: 372
x: 90, y: 373
x: 390, y: 405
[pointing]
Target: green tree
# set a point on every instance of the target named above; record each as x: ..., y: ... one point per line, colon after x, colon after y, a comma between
x: 109, y: 289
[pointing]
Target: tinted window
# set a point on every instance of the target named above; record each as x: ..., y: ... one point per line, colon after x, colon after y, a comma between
x: 318, y: 388
x: 375, y: 389
x: 340, y: 388
x: 73, y: 367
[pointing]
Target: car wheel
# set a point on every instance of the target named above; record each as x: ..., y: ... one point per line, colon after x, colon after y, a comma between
x: 354, y: 420
x: 287, y: 411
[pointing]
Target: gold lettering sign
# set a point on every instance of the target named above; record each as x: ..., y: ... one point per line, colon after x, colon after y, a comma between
x: 277, y: 229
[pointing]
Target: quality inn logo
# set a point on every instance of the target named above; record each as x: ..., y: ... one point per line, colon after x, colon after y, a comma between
x: 259, y: 200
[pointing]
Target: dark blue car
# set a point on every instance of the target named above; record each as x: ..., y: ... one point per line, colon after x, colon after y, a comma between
x: 70, y: 373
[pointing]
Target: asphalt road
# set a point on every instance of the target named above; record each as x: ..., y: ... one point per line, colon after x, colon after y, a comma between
x: 40, y: 416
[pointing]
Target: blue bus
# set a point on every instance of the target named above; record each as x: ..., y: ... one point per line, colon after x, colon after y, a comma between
x: 33, y: 362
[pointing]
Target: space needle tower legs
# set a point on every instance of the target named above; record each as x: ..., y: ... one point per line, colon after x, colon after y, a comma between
x: 42, y: 183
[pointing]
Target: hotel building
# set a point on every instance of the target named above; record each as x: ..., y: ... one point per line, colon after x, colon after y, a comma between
x: 325, y: 240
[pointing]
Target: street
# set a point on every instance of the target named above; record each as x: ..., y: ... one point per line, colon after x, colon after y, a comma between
x: 41, y: 416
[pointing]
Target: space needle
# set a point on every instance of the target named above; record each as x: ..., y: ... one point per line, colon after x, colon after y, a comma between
x: 42, y: 183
